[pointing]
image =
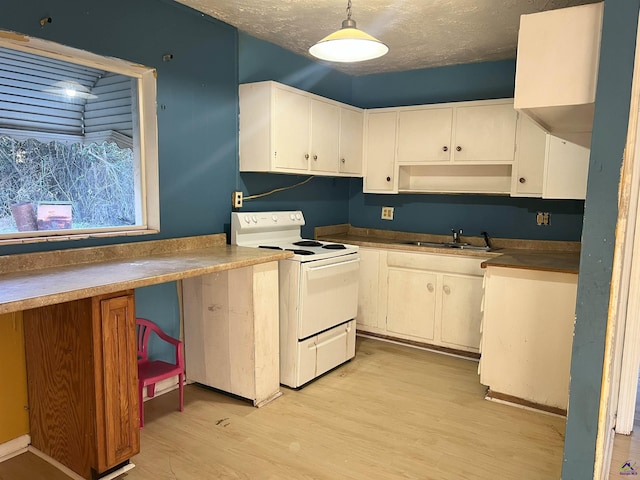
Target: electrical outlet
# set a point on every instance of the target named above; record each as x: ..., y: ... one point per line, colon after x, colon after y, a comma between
x: 387, y: 213
x: 236, y: 200
x: 542, y: 218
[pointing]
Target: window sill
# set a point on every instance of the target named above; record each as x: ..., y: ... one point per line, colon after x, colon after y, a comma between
x: 76, y: 236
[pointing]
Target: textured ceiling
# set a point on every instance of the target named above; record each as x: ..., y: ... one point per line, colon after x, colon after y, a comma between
x: 419, y: 33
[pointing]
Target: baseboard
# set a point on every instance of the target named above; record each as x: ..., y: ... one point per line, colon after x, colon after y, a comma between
x: 522, y: 403
x: 14, y: 447
x: 452, y: 352
x: 70, y: 473
x: 67, y: 471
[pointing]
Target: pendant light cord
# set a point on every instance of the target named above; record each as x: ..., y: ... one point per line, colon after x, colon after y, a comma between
x: 348, y: 9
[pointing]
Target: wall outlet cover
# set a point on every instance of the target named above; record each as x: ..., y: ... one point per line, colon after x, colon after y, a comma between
x: 236, y: 200
x: 387, y: 213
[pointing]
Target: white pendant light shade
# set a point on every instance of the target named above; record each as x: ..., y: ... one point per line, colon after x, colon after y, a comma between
x: 348, y: 44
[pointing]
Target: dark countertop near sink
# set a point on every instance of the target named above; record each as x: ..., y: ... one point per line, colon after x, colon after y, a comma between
x: 545, y: 255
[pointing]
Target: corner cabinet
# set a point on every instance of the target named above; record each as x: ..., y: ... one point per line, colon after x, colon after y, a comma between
x: 432, y: 299
x: 548, y: 166
x: 82, y: 381
x: 286, y: 130
x: 464, y: 147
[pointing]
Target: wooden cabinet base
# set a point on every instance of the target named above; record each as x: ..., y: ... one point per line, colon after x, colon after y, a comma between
x: 503, y: 397
x: 82, y: 382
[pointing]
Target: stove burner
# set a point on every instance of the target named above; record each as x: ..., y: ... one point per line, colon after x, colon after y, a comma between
x: 299, y: 252
x: 271, y: 247
x: 307, y: 243
x: 334, y: 246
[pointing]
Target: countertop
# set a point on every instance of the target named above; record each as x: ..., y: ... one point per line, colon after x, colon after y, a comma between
x: 38, y: 279
x: 553, y: 256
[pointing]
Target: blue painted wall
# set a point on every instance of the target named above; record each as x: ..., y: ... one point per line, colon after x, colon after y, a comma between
x: 457, y: 83
x: 500, y: 216
x: 608, y: 141
x: 197, y: 118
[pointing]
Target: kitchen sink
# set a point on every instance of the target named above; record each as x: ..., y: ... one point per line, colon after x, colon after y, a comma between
x: 459, y: 246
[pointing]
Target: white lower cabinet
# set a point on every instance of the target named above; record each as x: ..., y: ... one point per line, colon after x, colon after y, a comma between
x: 527, y: 333
x: 423, y: 297
x: 412, y: 302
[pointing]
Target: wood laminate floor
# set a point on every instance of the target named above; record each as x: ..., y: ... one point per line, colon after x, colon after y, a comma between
x: 394, y: 412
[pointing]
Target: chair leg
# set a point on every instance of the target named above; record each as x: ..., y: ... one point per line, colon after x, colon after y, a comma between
x: 151, y: 390
x: 141, y: 403
x: 181, y: 390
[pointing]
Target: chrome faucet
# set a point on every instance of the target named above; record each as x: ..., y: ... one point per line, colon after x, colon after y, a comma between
x: 456, y: 235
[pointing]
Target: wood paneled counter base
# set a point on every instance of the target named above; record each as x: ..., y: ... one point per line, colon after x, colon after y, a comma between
x: 80, y: 338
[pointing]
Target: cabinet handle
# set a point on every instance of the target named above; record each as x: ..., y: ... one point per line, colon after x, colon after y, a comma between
x: 306, y: 156
x: 445, y: 149
x: 315, y: 157
x: 343, y: 160
x: 430, y: 287
x: 458, y: 148
x: 446, y: 289
x: 388, y: 179
x: 522, y: 180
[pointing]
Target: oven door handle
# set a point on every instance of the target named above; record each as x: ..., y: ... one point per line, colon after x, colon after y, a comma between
x: 340, y: 268
x: 334, y: 265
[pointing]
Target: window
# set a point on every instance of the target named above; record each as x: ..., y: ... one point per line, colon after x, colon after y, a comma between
x: 78, y: 143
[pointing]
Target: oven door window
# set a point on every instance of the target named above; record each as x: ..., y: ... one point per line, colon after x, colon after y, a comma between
x: 328, y: 293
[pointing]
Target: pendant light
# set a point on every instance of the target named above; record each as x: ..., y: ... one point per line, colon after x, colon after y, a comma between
x: 348, y: 44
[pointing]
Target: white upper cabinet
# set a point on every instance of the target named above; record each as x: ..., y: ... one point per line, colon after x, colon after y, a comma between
x: 325, y: 132
x: 351, y: 140
x: 291, y: 142
x: 484, y: 133
x: 380, y: 150
x: 557, y: 67
x: 286, y: 130
x: 424, y: 135
x: 473, y: 132
x: 548, y: 166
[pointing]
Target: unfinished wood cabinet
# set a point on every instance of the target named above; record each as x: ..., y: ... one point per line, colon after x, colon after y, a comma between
x: 231, y: 331
x: 82, y: 381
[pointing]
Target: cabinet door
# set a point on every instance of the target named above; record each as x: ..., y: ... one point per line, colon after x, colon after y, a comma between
x: 566, y: 169
x: 325, y: 128
x: 117, y: 422
x: 351, y: 140
x: 380, y: 153
x: 411, y: 302
x: 461, y: 315
x: 484, y: 133
x: 291, y: 130
x: 368, y: 291
x: 528, y: 169
x: 424, y: 135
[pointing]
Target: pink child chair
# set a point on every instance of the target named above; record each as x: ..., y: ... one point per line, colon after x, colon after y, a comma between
x: 152, y: 371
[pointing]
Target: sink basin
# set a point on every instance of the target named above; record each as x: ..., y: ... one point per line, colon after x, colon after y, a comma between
x: 460, y: 246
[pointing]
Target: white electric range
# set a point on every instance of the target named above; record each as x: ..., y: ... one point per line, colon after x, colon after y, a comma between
x: 318, y: 293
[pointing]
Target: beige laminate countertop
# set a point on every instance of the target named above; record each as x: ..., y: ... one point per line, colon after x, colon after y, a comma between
x: 508, y: 253
x: 37, y: 279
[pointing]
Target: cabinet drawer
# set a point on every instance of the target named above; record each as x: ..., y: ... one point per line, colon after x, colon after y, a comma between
x: 436, y: 262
